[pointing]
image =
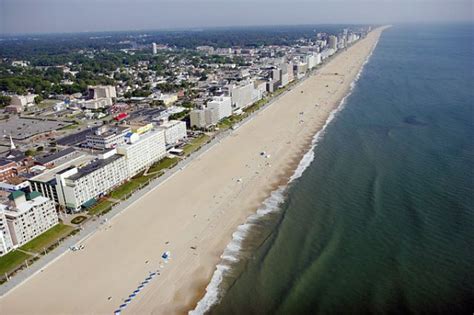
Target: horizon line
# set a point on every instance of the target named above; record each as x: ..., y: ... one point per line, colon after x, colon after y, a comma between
x: 223, y: 27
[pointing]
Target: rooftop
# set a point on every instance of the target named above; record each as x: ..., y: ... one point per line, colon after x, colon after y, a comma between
x: 94, y: 166
x: 57, y: 155
x: 50, y: 174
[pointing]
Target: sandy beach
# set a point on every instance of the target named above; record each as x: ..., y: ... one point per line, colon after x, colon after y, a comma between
x: 193, y: 214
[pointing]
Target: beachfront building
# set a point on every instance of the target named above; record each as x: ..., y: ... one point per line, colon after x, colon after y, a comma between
x: 141, y: 151
x: 45, y: 183
x: 174, y: 131
x: 79, y: 187
x: 5, y: 238
x: 107, y: 137
x: 333, y: 42
x: 140, y: 128
x: 26, y: 216
x: 204, y: 118
x: 223, y: 105
x: 313, y: 60
x: 57, y: 158
x: 242, y: 95
x: 290, y: 71
x: 300, y: 69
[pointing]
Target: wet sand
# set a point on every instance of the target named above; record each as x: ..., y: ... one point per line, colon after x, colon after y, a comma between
x: 193, y: 214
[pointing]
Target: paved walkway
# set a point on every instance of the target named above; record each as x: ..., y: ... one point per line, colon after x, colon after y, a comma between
x: 94, y: 224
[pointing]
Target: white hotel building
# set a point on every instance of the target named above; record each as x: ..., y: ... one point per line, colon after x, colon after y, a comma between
x: 141, y: 151
x: 223, y: 105
x: 25, y: 218
x: 174, y: 130
x: 5, y: 238
x: 81, y: 186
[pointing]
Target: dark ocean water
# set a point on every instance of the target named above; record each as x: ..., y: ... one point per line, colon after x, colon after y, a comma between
x: 382, y: 221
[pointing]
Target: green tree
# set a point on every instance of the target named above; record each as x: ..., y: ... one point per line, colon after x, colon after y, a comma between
x: 38, y: 99
x: 30, y: 152
x: 5, y: 100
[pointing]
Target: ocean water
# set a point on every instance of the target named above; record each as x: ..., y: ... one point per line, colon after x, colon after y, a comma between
x: 382, y: 219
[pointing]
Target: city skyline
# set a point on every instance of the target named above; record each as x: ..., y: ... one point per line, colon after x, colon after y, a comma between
x: 53, y: 16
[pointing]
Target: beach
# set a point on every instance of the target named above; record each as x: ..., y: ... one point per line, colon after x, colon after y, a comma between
x: 194, y: 213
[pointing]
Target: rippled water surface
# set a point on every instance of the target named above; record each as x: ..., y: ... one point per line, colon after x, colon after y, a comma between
x: 382, y: 221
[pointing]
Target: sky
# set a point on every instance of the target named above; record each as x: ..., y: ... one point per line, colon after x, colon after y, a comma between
x: 49, y: 16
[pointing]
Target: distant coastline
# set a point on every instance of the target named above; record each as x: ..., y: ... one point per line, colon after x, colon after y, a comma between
x: 230, y: 257
x: 234, y: 188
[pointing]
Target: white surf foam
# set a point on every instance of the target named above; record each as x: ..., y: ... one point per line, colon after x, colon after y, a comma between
x: 233, y: 251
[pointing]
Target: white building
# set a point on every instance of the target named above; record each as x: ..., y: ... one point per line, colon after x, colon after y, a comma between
x: 168, y: 99
x: 154, y: 48
x: 223, y: 105
x: 174, y: 130
x: 300, y: 69
x: 46, y: 184
x: 26, y: 217
x: 141, y: 151
x: 23, y: 100
x: 79, y: 187
x: 242, y: 95
x: 197, y: 118
x: 107, y: 137
x: 205, y: 49
x: 333, y: 42
x: 97, y: 103
x: 5, y: 238
x: 102, y: 91
x: 204, y: 118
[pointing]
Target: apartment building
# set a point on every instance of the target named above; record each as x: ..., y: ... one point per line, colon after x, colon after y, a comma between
x: 174, y: 131
x: 204, y: 118
x: 223, y: 105
x: 242, y: 95
x: 142, y: 151
x: 24, y: 218
x: 46, y: 183
x: 102, y: 91
x: 23, y: 101
x: 79, y: 187
x: 107, y: 137
x: 5, y: 238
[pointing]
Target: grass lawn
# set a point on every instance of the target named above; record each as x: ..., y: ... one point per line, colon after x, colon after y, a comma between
x: 78, y: 219
x: 129, y: 187
x: 47, y: 103
x: 163, y: 164
x: 70, y: 127
x: 12, y: 260
x: 195, y: 144
x: 48, y: 238
x: 100, y: 207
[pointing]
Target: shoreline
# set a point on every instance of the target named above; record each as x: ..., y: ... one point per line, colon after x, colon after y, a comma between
x: 213, y: 292
x: 165, y: 218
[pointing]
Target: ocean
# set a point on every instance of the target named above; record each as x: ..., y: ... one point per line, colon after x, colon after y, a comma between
x: 382, y: 218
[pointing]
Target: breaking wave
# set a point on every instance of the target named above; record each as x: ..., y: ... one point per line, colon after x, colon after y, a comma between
x: 235, y: 252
